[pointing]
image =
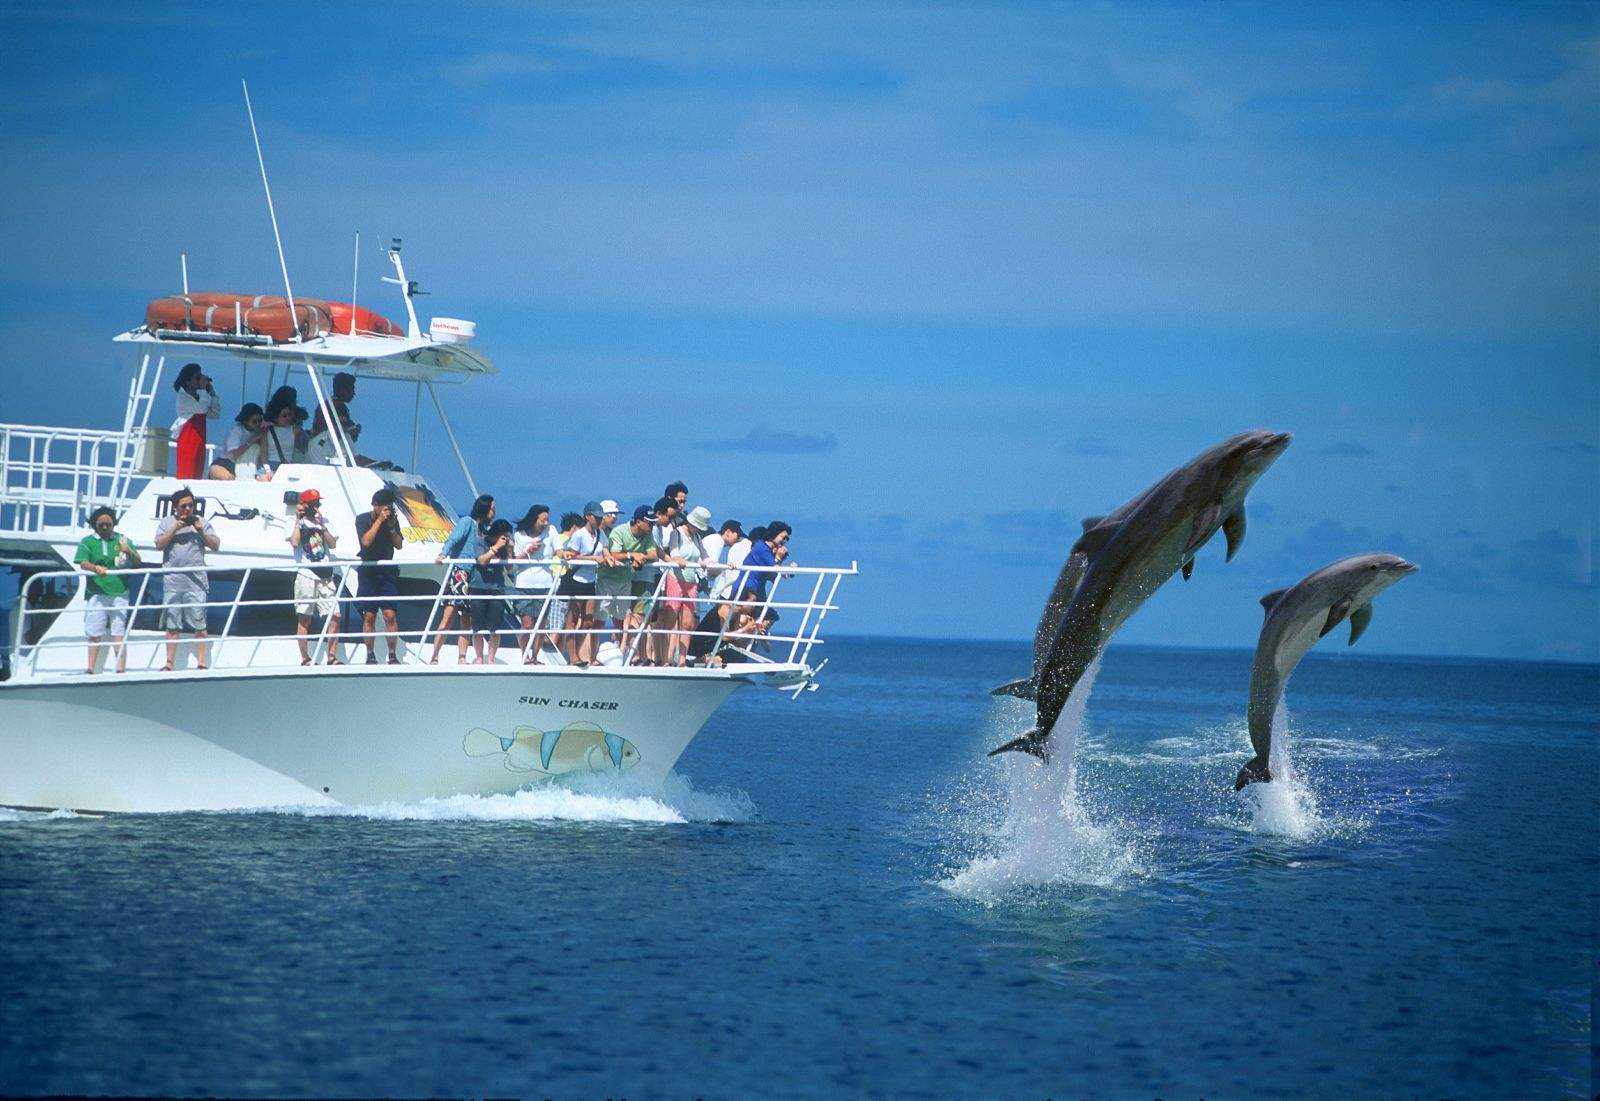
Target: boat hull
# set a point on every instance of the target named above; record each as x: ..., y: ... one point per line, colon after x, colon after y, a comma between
x: 353, y: 736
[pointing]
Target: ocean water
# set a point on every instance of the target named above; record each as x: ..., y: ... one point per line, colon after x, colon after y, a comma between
x: 841, y: 896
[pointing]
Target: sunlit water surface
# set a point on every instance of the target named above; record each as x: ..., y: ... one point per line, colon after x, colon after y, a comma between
x: 841, y: 894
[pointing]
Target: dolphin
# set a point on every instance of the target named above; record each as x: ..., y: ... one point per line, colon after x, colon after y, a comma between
x: 1129, y: 557
x: 1296, y: 618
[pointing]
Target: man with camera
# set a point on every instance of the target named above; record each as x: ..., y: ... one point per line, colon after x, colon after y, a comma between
x: 313, y: 546
x: 183, y: 537
x: 378, y: 588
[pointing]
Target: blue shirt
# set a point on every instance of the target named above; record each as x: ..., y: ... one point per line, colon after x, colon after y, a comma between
x: 750, y: 581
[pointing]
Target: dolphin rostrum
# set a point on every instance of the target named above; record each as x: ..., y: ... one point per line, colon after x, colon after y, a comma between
x: 1296, y: 618
x: 1127, y: 557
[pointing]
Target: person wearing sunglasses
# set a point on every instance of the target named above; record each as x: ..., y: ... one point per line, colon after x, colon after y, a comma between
x: 101, y: 555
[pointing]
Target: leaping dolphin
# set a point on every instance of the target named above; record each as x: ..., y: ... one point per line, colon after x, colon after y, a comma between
x: 1128, y: 557
x: 1296, y: 618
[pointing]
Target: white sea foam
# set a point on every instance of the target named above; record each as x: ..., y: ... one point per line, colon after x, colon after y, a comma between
x: 11, y: 814
x: 1034, y: 832
x: 601, y: 798
x: 1287, y: 806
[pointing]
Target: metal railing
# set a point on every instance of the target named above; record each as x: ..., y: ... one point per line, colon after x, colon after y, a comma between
x: 51, y: 477
x: 49, y: 639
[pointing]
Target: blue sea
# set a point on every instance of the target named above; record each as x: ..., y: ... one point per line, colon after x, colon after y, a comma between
x: 841, y: 896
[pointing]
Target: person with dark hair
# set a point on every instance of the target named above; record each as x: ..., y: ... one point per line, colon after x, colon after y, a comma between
x: 183, y: 537
x: 679, y: 494
x: 242, y: 450
x: 377, y: 577
x: 531, y: 544
x: 627, y: 550
x: 584, y: 549
x: 283, y: 436
x: 489, y: 588
x: 197, y: 403
x: 729, y: 556
x: 102, y: 555
x: 752, y: 585
x: 466, y: 541
x: 284, y: 397
x: 557, y: 620
x: 650, y: 581
x: 321, y: 445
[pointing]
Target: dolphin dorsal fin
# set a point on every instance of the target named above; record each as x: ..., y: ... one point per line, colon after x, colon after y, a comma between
x: 1272, y: 598
x: 1090, y: 542
x: 1092, y: 522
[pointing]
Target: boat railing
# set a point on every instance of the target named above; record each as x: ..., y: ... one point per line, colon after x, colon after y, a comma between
x: 778, y: 623
x: 51, y: 477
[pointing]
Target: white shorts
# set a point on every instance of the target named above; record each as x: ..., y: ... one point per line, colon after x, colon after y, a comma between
x: 106, y: 615
x: 313, y: 595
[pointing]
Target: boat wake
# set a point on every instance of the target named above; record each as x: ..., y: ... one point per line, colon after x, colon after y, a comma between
x: 624, y: 799
x: 1034, y: 833
x: 11, y: 814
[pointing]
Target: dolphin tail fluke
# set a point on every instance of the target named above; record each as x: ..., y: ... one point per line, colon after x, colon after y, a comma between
x: 1254, y: 772
x: 1032, y: 742
x: 1022, y: 688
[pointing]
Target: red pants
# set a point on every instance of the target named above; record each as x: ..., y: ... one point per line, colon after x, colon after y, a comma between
x: 192, y: 447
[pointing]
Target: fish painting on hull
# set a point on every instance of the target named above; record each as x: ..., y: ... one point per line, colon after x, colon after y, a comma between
x: 1131, y: 553
x: 578, y: 747
x: 1296, y: 618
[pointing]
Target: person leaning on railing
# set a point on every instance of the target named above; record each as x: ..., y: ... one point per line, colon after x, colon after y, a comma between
x: 101, y: 555
x: 183, y: 537
x: 533, y: 545
x: 488, y: 587
x: 378, y: 578
x: 465, y: 541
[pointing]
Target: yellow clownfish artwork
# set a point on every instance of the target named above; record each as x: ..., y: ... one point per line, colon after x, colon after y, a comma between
x: 577, y: 747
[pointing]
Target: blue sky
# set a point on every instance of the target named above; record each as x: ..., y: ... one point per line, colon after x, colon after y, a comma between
x: 929, y: 283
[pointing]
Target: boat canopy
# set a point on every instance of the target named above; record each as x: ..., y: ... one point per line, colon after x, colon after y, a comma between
x: 413, y: 359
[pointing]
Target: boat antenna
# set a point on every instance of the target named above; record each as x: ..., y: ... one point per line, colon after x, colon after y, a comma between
x: 183, y: 262
x: 355, y: 282
x: 288, y: 292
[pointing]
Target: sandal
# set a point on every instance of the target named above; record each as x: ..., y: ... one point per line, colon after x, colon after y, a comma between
x: 305, y: 661
x: 332, y: 661
x: 393, y: 660
x: 167, y: 668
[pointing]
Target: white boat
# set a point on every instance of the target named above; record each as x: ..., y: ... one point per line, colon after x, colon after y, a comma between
x: 257, y: 728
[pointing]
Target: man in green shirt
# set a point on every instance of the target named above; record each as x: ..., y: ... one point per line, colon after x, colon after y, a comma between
x: 101, y: 555
x: 629, y: 547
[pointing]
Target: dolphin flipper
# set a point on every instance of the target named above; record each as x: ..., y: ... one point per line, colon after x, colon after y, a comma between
x: 1032, y: 742
x: 1233, y: 528
x: 1188, y: 569
x: 1205, y: 525
x: 1359, y: 620
x: 1023, y: 688
x: 1336, y: 614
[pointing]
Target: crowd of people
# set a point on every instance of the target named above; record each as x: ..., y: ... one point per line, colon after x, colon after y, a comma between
x: 661, y: 587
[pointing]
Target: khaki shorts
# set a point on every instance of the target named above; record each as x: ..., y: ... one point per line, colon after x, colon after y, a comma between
x: 616, y: 597
x: 184, y: 612
x: 313, y: 595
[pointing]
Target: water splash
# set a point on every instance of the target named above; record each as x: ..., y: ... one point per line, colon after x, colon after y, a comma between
x: 605, y: 798
x: 1042, y: 835
x: 1287, y: 806
x: 12, y: 814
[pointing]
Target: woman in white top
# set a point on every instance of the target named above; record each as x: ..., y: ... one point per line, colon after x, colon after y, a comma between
x: 282, y: 436
x: 533, y: 543
x: 197, y: 403
x: 241, y: 451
